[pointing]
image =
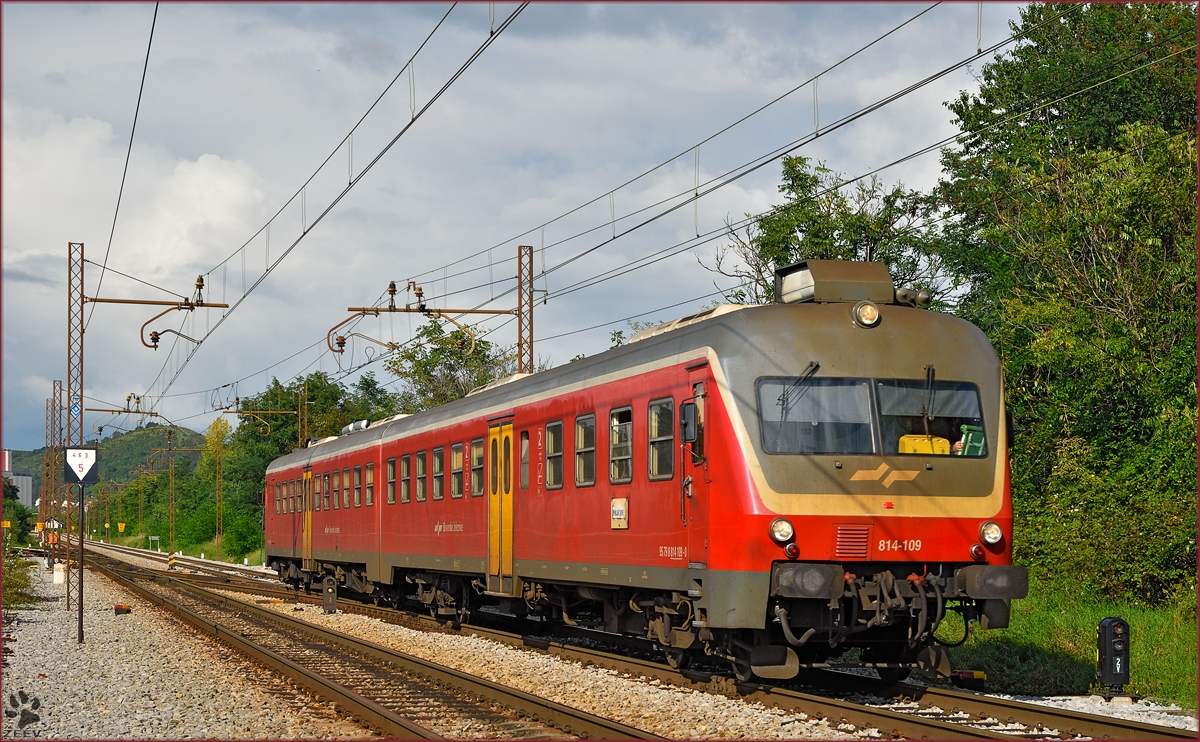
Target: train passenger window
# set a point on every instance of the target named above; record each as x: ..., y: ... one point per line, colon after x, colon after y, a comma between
x: 391, y: 481
x: 346, y: 487
x: 358, y: 486
x: 316, y: 496
x: 620, y: 445
x: 943, y: 418
x: 477, y: 467
x: 405, y: 484
x: 585, y: 450
x: 326, y: 501
x: 292, y: 496
x: 439, y: 473
x: 370, y: 484
x: 661, y: 427
x: 456, y: 470
x: 277, y: 496
x: 524, y: 459
x: 419, y: 478
x: 554, y: 455
x: 337, y: 488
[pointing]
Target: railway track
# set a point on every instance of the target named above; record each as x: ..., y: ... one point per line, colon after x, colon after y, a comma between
x: 399, y: 695
x: 913, y: 711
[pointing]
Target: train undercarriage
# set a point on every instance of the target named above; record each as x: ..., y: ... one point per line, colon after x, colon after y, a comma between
x: 816, y: 613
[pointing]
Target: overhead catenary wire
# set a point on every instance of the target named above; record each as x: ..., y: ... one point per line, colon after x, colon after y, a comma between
x: 337, y: 199
x: 923, y: 150
x: 125, y: 170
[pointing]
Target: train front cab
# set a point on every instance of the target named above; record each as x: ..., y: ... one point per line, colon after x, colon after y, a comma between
x: 881, y: 490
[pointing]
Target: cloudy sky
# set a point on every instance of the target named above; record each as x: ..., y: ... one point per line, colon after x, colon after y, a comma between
x: 243, y: 103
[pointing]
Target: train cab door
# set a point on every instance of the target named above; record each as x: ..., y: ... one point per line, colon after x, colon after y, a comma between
x: 694, y: 498
x: 306, y: 488
x: 500, y: 485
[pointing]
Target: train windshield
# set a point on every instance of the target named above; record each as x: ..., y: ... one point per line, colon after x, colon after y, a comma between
x: 807, y: 415
x: 803, y: 415
x: 943, y: 418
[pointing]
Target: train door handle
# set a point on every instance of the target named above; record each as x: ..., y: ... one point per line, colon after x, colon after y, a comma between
x: 687, y: 485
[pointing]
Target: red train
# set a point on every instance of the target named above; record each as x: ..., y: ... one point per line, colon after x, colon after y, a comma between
x: 771, y: 485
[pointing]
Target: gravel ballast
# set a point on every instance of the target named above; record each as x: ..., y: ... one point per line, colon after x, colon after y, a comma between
x: 142, y: 675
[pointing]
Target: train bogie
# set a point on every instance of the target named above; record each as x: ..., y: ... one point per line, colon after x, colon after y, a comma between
x: 772, y: 485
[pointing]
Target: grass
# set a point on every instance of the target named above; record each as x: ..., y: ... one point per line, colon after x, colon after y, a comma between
x: 1050, y: 646
x: 210, y: 549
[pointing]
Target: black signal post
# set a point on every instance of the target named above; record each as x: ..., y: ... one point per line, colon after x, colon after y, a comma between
x: 81, y: 467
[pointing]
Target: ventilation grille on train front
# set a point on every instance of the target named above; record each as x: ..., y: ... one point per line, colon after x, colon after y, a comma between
x: 853, y: 542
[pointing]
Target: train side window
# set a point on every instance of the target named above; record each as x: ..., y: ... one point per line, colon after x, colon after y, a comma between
x: 346, y: 487
x: 495, y: 465
x: 358, y: 486
x: 292, y: 496
x: 439, y: 473
x: 477, y: 467
x: 524, y: 459
x: 585, y: 450
x: 508, y: 463
x: 325, y: 502
x: 316, y: 495
x: 620, y: 445
x: 456, y: 470
x: 419, y: 477
x: 369, y: 484
x: 661, y: 428
x: 277, y: 496
x: 337, y: 489
x: 405, y: 483
x: 391, y: 481
x: 554, y: 455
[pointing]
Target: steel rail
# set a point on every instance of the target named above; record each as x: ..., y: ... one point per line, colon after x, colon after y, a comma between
x: 1035, y: 716
x: 570, y: 720
x: 392, y: 725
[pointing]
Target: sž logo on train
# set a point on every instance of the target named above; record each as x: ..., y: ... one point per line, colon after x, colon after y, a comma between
x: 1112, y: 648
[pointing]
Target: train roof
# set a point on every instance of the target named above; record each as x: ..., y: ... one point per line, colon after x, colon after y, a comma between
x: 739, y: 335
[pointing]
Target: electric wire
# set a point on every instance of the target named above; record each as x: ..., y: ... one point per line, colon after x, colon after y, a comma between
x: 125, y: 170
x: 134, y: 278
x: 417, y: 115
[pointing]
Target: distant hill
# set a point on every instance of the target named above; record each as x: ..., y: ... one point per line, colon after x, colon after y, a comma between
x: 120, y: 454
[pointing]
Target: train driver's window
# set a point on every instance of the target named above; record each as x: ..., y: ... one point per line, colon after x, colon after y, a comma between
x: 337, y: 489
x: 405, y: 484
x: 524, y: 459
x: 358, y: 486
x: 391, y: 481
x: 325, y: 502
x: 370, y: 484
x: 439, y: 473
x: 456, y: 470
x: 942, y: 418
x: 585, y: 450
x: 346, y: 487
x: 620, y: 445
x: 661, y: 427
x: 477, y: 467
x: 277, y: 496
x: 316, y: 484
x: 554, y: 455
x: 419, y: 477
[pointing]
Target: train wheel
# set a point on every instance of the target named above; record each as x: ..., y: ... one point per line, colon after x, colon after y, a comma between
x: 742, y: 672
x: 678, y: 659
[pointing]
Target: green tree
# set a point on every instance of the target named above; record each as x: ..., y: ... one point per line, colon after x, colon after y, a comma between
x: 827, y: 217
x: 442, y: 367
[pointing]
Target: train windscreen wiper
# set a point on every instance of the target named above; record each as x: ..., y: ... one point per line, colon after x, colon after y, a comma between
x: 805, y: 375
x: 927, y: 396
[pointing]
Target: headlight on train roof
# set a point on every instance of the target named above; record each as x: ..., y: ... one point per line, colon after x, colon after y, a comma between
x: 991, y: 532
x: 782, y: 530
x: 866, y: 314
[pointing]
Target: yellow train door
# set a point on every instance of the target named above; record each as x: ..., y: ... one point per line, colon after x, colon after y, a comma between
x: 501, y: 580
x: 308, y: 565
